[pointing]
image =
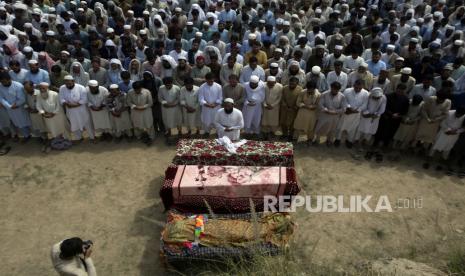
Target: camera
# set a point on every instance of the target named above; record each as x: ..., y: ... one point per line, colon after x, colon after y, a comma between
x: 87, y: 244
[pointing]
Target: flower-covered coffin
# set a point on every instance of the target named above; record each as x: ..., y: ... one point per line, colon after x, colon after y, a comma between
x: 253, y: 153
x: 226, y: 189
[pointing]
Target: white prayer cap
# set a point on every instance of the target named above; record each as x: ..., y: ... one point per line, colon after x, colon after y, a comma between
x: 279, y: 50
x: 36, y: 11
x: 274, y: 65
x: 449, y: 27
x: 318, y: 10
x: 316, y: 70
x: 437, y: 14
x: 286, y: 23
x: 320, y: 46
x: 374, y: 7
x: 146, y: 13
x: 448, y: 66
x: 414, y: 40
x: 80, y: 9
x: 271, y: 78
x: 110, y: 30
x: 190, y: 23
x: 161, y: 31
x: 19, y: 6
x: 261, y: 21
x: 143, y: 32
x: 390, y: 47
x: 420, y: 20
x: 252, y: 36
x: 93, y: 83
x: 127, y: 27
x: 182, y: 58
x: 377, y: 92
x: 338, y: 47
x: 65, y: 52
x: 458, y: 42
x: 32, y: 61
x: 109, y: 43
x: 177, y: 9
x: 364, y: 65
x: 27, y: 49
x: 44, y: 84
x: 441, y: 1
x: 406, y: 70
x: 50, y: 33
x: 206, y: 23
x: 28, y: 25
x: 295, y: 16
x: 198, y: 34
x: 254, y: 79
x: 362, y: 9
x: 2, y: 8
x: 68, y: 77
x: 114, y: 86
x: 229, y: 100
x: 279, y: 21
x: 400, y: 59
x: 415, y: 29
x: 131, y: 12
x: 210, y: 15
x: 428, y: 16
x: 72, y: 3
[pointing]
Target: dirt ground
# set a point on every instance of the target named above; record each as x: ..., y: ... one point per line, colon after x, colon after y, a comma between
x: 109, y: 193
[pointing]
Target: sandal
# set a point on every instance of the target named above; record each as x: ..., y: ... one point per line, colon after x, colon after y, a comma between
x: 369, y: 155
x: 5, y: 150
x: 461, y: 174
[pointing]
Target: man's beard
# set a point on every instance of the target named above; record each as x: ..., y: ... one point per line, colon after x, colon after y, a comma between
x: 228, y: 111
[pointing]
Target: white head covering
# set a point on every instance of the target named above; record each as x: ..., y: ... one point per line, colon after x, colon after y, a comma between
x: 271, y: 78
x: 93, y: 83
x: 316, y: 70
x: 229, y: 100
x: 113, y: 86
x: 68, y: 77
x: 406, y: 70
x: 254, y: 79
x: 377, y: 92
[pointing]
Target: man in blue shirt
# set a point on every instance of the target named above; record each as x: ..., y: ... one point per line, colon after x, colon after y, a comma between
x: 375, y: 65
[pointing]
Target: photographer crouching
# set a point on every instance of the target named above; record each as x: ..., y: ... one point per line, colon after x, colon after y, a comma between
x: 72, y: 257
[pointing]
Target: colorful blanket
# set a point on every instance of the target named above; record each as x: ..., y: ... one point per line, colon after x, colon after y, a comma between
x: 253, y: 153
x: 226, y: 189
x: 266, y: 233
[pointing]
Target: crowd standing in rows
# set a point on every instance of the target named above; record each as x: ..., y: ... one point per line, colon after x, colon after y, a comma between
x: 371, y: 73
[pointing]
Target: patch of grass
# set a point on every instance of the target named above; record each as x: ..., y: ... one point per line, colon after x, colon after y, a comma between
x: 456, y: 264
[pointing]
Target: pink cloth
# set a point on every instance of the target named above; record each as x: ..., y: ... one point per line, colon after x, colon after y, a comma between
x: 228, y: 181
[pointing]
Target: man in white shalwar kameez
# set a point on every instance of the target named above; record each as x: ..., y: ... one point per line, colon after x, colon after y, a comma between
x: 252, y: 110
x: 13, y: 99
x: 49, y: 106
x: 119, y: 113
x: 140, y: 101
x: 189, y: 96
x: 357, y: 99
x: 332, y: 105
x: 37, y: 122
x: 169, y: 97
x: 210, y: 98
x: 229, y: 121
x: 451, y: 127
x: 96, y: 97
x: 369, y: 120
x: 73, y: 97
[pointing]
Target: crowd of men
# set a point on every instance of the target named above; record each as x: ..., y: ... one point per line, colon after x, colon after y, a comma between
x: 377, y: 72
